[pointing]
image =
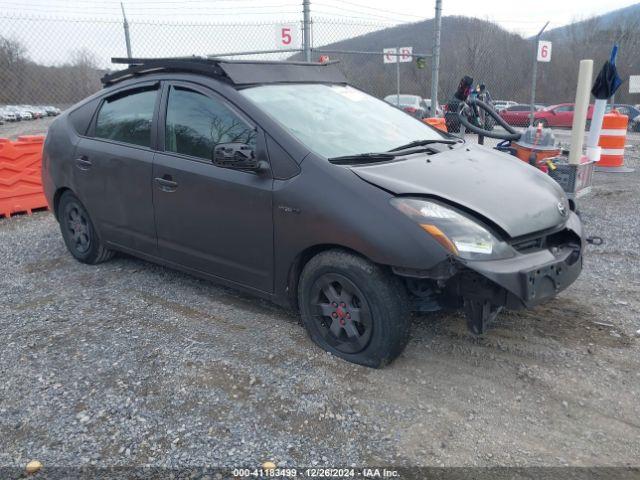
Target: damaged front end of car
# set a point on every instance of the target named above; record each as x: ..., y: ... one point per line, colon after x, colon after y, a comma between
x: 527, y: 271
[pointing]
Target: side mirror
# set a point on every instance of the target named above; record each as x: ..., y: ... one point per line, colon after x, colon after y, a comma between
x: 553, y: 112
x: 239, y: 156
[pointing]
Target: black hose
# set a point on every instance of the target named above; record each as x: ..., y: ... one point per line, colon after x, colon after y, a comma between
x: 512, y: 135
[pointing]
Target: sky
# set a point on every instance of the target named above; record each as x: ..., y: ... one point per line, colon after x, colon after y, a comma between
x: 52, y: 29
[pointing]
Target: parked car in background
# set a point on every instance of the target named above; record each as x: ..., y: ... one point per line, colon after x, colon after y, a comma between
x: 502, y: 104
x: 560, y: 115
x: 15, y: 110
x: 52, y: 111
x: 25, y: 114
x: 31, y: 110
x: 8, y: 115
x: 41, y: 111
x: 630, y: 111
x: 517, y: 115
x: 412, y: 104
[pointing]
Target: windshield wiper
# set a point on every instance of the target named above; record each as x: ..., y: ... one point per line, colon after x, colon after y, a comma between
x: 422, y: 143
x: 362, y: 158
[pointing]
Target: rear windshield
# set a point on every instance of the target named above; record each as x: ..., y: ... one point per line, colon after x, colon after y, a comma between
x: 337, y: 120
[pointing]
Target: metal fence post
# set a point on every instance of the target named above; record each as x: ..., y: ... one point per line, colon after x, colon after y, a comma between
x: 398, y: 75
x: 306, y: 29
x: 535, y: 75
x: 127, y: 39
x: 435, y: 60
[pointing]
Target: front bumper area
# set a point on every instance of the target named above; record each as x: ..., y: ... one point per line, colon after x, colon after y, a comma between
x: 532, y: 278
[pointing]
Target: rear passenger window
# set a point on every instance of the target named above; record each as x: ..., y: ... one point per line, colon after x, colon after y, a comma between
x: 127, y: 118
x: 197, y: 123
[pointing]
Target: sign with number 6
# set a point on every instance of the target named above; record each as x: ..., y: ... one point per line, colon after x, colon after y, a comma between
x: 287, y: 36
x: 544, y: 51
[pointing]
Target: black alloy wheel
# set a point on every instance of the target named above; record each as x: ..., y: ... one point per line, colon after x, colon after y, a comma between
x: 78, y: 231
x: 77, y: 226
x: 342, y: 313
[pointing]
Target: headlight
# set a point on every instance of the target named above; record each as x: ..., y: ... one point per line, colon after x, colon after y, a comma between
x: 456, y: 232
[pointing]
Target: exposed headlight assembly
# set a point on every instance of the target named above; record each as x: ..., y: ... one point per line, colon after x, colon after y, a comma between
x: 456, y: 232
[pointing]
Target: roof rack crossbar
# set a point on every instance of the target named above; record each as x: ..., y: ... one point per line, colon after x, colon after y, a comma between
x: 140, y: 66
x: 236, y: 72
x: 163, y: 60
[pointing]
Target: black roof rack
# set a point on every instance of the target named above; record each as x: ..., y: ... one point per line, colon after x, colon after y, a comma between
x: 238, y: 72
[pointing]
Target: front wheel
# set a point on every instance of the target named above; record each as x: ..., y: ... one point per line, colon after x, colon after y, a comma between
x: 354, y: 308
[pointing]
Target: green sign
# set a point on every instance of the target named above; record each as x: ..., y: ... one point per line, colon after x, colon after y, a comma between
x: 421, y: 62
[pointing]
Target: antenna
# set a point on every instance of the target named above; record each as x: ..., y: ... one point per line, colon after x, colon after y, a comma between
x: 125, y: 24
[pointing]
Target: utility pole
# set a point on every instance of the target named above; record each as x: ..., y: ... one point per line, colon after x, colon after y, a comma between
x: 306, y: 29
x: 127, y: 38
x: 435, y: 59
x: 398, y: 75
x: 535, y: 75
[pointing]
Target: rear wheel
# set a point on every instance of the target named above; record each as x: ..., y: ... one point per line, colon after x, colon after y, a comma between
x: 78, y: 231
x: 354, y: 308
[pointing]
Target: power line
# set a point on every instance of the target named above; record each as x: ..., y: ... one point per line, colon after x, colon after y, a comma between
x: 340, y: 2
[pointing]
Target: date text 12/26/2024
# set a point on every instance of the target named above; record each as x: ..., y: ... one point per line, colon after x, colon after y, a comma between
x: 315, y: 473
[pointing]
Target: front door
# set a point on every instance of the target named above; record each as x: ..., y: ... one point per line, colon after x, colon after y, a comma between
x: 209, y: 218
x: 113, y: 165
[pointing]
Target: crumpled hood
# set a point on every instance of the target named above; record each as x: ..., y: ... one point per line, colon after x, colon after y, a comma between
x: 517, y: 197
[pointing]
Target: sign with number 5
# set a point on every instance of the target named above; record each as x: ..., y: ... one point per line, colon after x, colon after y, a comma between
x: 544, y: 51
x: 287, y: 36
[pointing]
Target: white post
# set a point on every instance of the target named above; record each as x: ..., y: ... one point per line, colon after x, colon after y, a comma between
x: 580, y: 110
x: 593, y: 150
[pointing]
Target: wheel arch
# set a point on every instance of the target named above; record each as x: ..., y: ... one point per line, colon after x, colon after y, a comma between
x: 302, y: 258
x: 56, y: 199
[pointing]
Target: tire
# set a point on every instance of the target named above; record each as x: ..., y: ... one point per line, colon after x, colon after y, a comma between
x: 354, y: 308
x: 78, y: 231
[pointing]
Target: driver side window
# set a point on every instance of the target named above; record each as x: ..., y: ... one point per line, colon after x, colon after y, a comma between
x: 196, y: 123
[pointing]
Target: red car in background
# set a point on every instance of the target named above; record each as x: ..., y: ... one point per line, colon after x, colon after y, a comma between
x: 560, y: 115
x: 517, y: 115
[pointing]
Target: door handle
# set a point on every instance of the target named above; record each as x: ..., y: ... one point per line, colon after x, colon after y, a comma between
x: 166, y: 184
x: 83, y: 162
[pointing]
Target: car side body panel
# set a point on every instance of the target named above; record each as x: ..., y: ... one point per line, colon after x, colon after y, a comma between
x: 310, y: 211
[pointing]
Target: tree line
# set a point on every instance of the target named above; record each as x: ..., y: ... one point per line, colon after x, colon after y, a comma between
x: 500, y: 59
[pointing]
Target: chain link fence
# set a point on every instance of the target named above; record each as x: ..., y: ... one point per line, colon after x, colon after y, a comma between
x: 51, y: 61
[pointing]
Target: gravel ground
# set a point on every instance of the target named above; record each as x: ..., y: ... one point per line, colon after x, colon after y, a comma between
x: 129, y: 363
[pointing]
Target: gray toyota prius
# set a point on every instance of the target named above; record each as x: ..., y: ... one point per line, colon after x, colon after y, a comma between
x: 280, y: 179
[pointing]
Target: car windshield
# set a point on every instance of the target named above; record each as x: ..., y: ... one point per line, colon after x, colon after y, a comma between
x: 337, y: 120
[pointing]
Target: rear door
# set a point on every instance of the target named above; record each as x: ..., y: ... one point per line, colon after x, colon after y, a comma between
x: 113, y: 165
x: 209, y: 218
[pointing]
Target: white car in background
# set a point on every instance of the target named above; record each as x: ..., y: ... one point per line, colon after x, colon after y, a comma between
x: 8, y: 115
x: 503, y: 104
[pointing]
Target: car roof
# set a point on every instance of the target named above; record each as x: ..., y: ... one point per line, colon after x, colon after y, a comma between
x: 236, y: 72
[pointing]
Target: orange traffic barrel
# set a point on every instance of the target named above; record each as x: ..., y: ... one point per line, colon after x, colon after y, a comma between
x: 436, y: 122
x: 613, y: 137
